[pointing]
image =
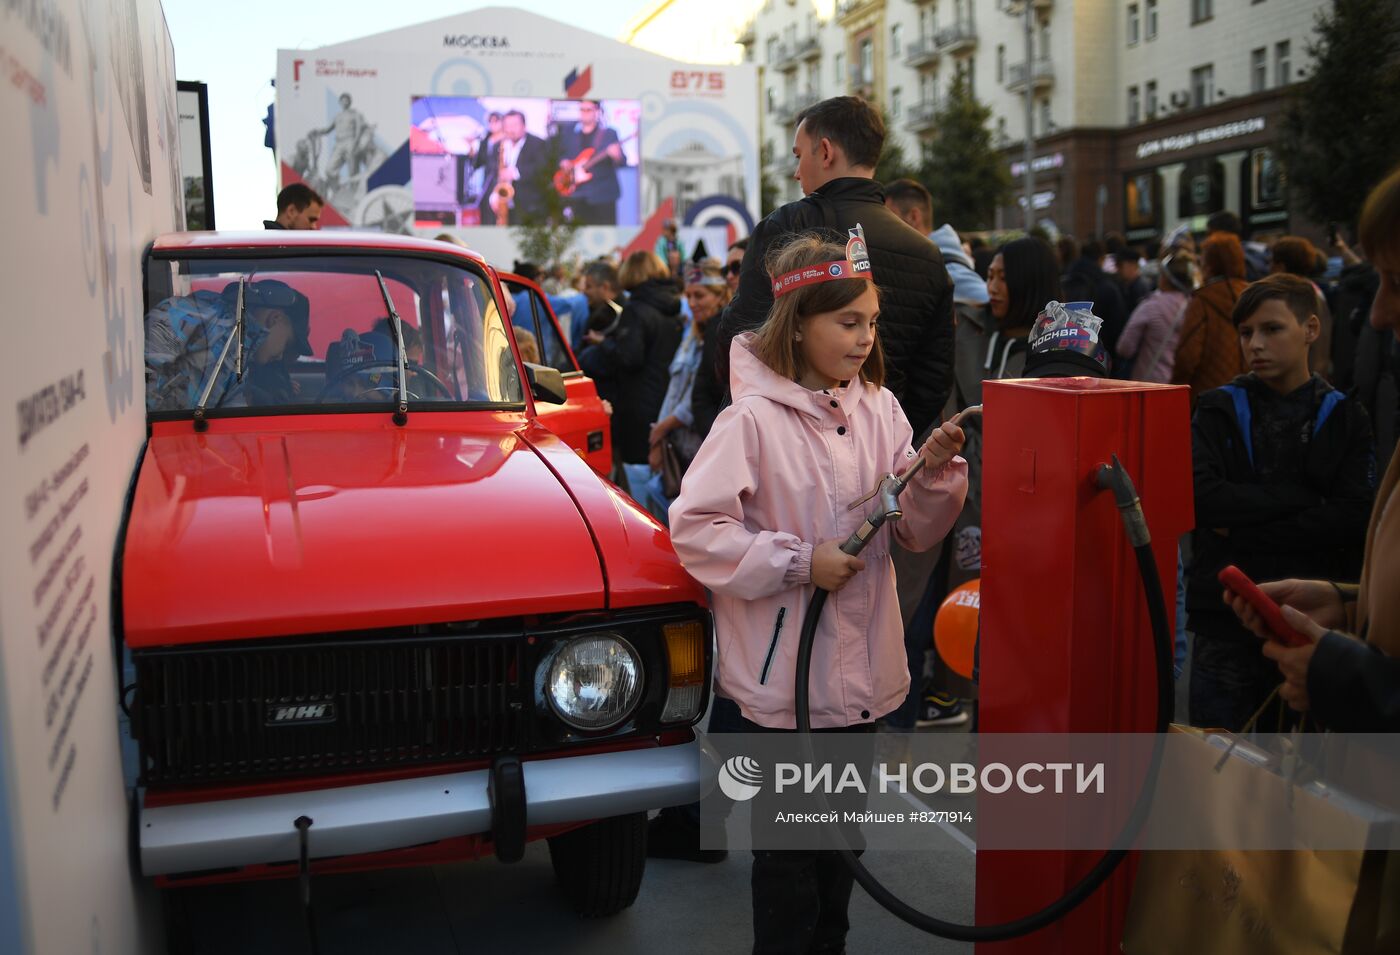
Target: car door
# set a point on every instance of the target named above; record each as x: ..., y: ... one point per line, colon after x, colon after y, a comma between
x: 581, y: 422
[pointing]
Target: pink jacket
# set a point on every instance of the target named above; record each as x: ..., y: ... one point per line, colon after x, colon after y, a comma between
x: 1152, y: 331
x: 773, y: 479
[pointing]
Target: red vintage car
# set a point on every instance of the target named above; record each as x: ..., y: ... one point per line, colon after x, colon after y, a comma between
x: 375, y: 610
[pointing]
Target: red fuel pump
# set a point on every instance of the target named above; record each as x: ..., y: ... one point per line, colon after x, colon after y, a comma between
x: 1065, y: 635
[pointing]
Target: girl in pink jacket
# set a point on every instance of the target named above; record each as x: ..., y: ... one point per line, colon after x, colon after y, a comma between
x: 765, y: 505
x: 760, y: 519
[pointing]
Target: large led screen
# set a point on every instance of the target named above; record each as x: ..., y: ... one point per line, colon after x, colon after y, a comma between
x: 505, y: 161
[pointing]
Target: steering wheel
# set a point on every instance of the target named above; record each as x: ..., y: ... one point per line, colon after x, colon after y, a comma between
x: 391, y: 390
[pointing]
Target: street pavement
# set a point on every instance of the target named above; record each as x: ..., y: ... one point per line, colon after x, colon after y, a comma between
x: 487, y: 907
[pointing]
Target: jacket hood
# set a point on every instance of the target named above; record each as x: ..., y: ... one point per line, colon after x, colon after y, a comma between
x: 968, y: 286
x: 749, y: 377
x: 659, y: 294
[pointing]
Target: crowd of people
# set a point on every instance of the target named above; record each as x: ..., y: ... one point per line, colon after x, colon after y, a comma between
x: 753, y: 397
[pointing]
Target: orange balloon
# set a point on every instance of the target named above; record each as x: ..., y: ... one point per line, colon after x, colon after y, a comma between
x: 955, y: 626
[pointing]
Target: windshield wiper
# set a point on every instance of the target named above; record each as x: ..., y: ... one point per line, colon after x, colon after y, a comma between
x: 201, y: 423
x: 400, y: 416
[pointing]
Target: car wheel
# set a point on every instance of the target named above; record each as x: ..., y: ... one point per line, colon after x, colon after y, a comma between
x: 599, y: 866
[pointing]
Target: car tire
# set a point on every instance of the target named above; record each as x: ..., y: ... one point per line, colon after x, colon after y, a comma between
x: 599, y: 866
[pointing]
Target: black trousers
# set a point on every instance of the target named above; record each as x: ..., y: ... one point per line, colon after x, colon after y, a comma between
x: 801, y: 896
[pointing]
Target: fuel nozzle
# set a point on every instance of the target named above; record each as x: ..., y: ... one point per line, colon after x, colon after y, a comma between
x: 887, y: 494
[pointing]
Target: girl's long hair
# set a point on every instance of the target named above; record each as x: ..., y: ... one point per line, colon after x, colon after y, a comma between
x: 1032, y: 272
x: 776, y: 341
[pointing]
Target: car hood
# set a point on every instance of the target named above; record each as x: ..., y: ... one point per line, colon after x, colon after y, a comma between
x: 262, y: 532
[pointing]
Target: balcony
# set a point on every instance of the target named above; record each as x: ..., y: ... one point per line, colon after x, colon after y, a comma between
x: 921, y: 53
x: 921, y: 117
x: 785, y: 112
x: 747, y: 35
x: 808, y: 49
x: 1042, y: 75
x: 956, y: 38
x: 846, y: 8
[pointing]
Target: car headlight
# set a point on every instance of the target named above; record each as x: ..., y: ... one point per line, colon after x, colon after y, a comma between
x: 594, y: 682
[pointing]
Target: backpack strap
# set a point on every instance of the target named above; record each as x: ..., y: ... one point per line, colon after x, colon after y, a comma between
x: 1243, y: 416
x: 1329, y: 404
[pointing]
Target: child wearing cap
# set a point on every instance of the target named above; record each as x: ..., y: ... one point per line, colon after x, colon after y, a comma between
x: 1284, y: 474
x: 761, y: 516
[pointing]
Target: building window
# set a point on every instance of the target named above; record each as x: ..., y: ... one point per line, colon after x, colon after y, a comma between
x: 1002, y: 137
x: 1259, y: 70
x: 1046, y: 125
x: 770, y: 99
x: 1202, y: 86
x: 814, y: 80
x: 895, y: 36
x: 867, y: 61
x: 928, y: 93
x: 840, y: 61
x: 1150, y: 99
x: 772, y: 49
x: 1202, y: 10
x: 1134, y: 24
x: 971, y: 74
x: 1282, y: 64
x: 1151, y: 18
x: 1001, y: 62
x: 924, y: 30
x: 1134, y: 106
x: 896, y: 102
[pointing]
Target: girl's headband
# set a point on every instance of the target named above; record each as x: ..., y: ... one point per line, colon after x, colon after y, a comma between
x: 856, y: 265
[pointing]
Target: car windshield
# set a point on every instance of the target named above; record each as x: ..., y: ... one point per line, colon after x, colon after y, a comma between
x: 316, y: 335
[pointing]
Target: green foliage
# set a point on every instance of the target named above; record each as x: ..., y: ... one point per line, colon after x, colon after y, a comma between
x: 546, y: 237
x: 1339, y: 131
x: 767, y: 188
x: 967, y: 176
x: 893, y: 163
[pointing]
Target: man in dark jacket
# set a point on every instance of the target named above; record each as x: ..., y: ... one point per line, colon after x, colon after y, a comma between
x: 630, y: 358
x: 1284, y: 476
x: 837, y: 144
x: 1086, y: 281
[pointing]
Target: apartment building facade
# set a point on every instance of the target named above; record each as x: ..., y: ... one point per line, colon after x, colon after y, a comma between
x: 1144, y: 113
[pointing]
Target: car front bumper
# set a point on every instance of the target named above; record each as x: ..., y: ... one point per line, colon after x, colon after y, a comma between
x: 374, y: 817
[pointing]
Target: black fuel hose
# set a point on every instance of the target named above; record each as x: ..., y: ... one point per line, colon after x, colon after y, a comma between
x: 1109, y: 477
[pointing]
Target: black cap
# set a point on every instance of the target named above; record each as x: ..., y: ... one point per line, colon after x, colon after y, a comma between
x: 270, y: 293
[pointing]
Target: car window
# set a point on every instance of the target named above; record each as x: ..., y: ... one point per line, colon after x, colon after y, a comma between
x: 532, y: 315
x: 316, y: 332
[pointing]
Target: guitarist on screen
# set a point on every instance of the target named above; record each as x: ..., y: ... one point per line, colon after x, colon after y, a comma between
x: 590, y: 170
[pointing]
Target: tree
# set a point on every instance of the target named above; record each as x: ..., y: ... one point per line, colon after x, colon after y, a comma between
x: 767, y: 188
x: 1338, y: 137
x: 892, y: 164
x: 545, y: 238
x: 966, y: 175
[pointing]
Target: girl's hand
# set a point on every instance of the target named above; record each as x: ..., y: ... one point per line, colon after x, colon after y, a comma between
x: 832, y: 568
x: 945, y: 442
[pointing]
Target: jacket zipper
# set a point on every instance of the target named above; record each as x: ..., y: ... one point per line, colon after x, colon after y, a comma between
x: 772, y: 647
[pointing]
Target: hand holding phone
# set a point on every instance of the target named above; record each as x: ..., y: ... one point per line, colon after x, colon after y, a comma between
x: 1237, y: 583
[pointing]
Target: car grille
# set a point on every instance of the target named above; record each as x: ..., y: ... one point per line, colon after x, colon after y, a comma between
x: 216, y: 713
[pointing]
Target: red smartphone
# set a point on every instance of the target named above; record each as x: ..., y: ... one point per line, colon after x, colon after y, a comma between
x: 1237, y: 583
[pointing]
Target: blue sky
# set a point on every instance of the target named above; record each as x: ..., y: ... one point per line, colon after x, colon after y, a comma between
x: 237, y: 56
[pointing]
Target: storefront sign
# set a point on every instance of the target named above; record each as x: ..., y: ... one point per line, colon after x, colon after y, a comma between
x: 1200, y: 137
x: 1039, y: 164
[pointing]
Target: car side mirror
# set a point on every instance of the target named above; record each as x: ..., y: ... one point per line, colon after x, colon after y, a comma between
x: 546, y: 384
